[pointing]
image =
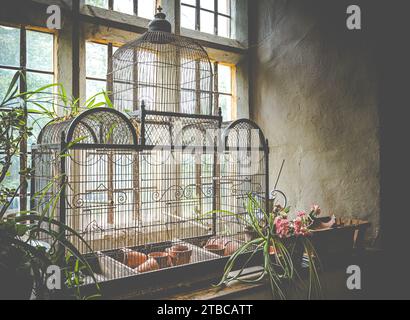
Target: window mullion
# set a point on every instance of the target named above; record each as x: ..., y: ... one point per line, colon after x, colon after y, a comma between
x: 23, y: 143
x: 109, y: 70
x: 198, y: 15
x: 136, y: 7
x: 216, y: 17
x: 216, y: 88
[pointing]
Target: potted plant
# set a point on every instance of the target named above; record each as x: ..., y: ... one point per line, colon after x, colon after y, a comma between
x: 282, y: 242
x: 24, y: 260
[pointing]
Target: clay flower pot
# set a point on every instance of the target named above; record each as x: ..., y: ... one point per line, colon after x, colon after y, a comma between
x: 215, y: 248
x: 150, y: 265
x: 134, y: 259
x: 162, y: 258
x: 180, y: 255
x: 229, y: 245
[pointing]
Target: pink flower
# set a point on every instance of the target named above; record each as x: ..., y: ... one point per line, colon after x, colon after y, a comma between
x: 282, y: 227
x: 300, y: 227
x: 301, y: 214
x: 315, y: 209
x: 297, y: 224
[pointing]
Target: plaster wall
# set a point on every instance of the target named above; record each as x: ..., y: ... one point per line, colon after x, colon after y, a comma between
x: 314, y: 93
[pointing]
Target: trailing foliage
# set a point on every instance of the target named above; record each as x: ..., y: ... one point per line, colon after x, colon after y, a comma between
x: 281, y: 253
x: 24, y: 259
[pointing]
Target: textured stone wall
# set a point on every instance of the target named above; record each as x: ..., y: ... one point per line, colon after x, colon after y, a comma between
x: 314, y: 93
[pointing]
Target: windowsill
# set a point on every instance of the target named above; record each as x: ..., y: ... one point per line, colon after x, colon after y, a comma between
x: 230, y: 44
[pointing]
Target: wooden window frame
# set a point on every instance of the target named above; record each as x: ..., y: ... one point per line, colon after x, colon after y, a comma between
x: 25, y: 151
x: 216, y: 14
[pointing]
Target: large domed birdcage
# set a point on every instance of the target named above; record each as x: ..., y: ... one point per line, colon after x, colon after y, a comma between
x: 169, y: 73
x: 155, y: 182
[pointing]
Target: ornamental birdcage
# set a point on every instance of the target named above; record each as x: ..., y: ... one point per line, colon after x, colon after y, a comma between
x: 145, y: 182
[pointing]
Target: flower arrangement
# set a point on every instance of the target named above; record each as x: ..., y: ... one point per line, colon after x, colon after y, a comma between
x: 285, y: 227
x: 283, y: 242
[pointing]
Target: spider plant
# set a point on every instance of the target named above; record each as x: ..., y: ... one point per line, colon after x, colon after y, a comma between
x: 281, y: 256
x: 24, y: 259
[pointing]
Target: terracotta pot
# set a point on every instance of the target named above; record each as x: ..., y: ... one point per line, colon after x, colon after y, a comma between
x: 162, y: 258
x: 229, y: 245
x: 272, y: 250
x: 150, y: 265
x: 180, y: 255
x: 215, y: 248
x: 134, y: 259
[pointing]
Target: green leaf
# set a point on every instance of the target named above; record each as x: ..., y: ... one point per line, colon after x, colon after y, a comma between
x: 108, y: 101
x: 12, y: 86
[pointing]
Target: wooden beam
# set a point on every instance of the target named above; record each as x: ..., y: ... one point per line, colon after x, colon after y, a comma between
x: 113, y: 19
x: 117, y: 20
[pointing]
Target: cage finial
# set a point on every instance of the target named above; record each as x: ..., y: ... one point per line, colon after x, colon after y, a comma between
x: 160, y: 23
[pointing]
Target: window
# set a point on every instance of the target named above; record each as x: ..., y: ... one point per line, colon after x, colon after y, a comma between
x: 98, y: 62
x: 32, y: 52
x: 141, y: 8
x: 225, y: 90
x: 210, y: 16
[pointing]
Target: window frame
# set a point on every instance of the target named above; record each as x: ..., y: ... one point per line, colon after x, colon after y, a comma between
x: 135, y: 5
x: 25, y: 150
x: 232, y: 94
x: 110, y: 52
x: 216, y: 14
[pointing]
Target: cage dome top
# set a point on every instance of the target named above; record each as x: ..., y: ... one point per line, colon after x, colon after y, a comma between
x: 168, y: 72
x: 160, y: 23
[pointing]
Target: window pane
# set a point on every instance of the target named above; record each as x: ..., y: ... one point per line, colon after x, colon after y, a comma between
x: 224, y: 26
x: 98, y: 3
x: 94, y: 87
x: 224, y: 6
x: 208, y: 4
x: 38, y: 80
x: 188, y: 101
x: 39, y: 51
x: 5, y: 78
x: 12, y: 180
x: 188, y: 17
x: 207, y: 22
x: 97, y: 60
x: 125, y: 6
x: 36, y: 121
x: 191, y: 2
x: 10, y: 46
x: 225, y: 103
x: 146, y: 9
x: 224, y: 79
x: 188, y: 74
